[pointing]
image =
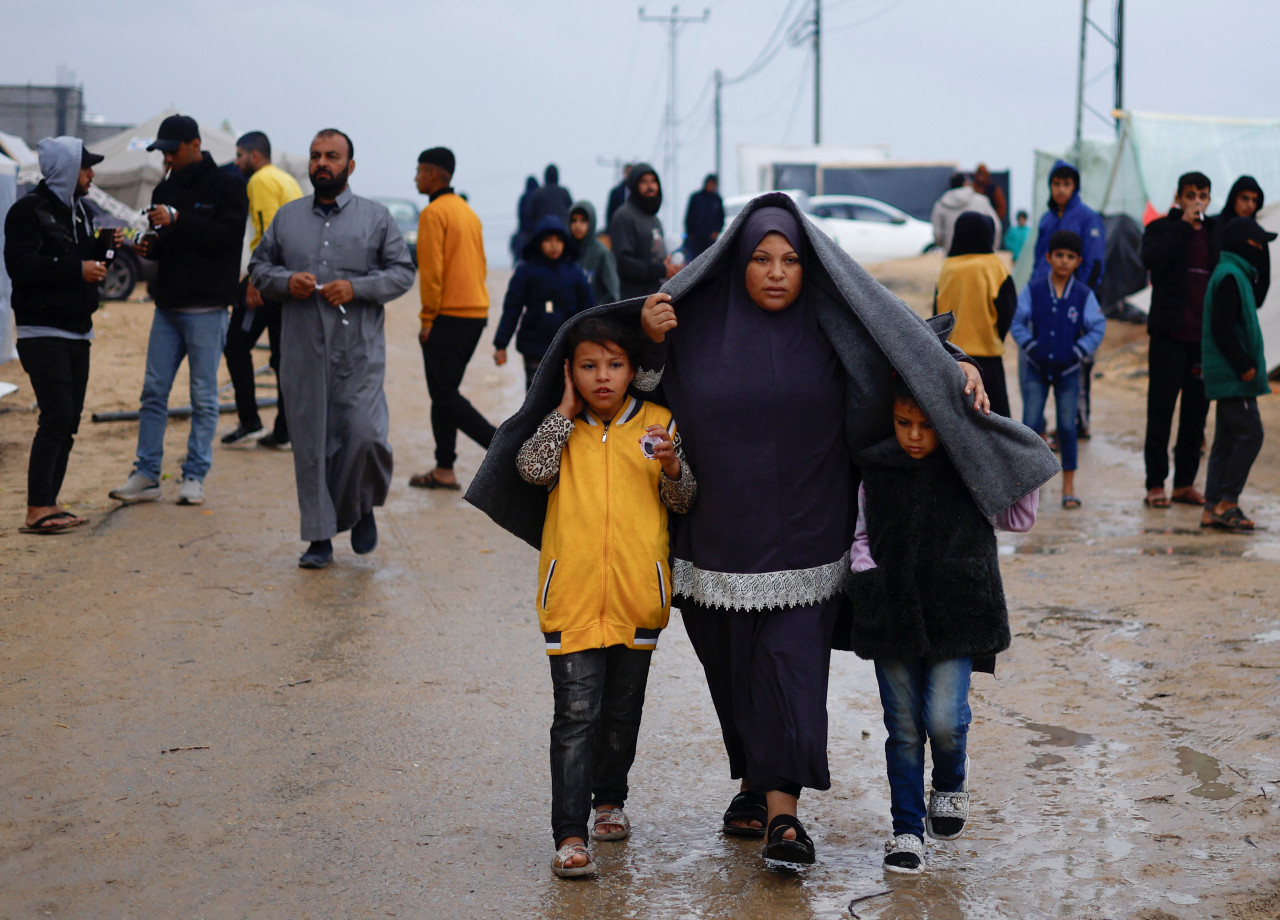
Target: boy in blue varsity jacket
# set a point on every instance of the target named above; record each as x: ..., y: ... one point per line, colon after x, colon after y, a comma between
x: 613, y: 466
x: 1058, y: 325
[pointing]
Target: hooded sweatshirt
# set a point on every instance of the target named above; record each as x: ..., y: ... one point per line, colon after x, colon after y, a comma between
x: 1243, y: 184
x: 543, y: 293
x: 48, y: 235
x: 1079, y: 218
x: 550, y: 200
x: 638, y: 242
x: 1232, y: 344
x: 951, y: 205
x: 596, y: 259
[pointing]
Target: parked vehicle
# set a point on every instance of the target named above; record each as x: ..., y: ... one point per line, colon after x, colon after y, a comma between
x: 870, y: 230
x: 405, y: 213
x: 127, y: 268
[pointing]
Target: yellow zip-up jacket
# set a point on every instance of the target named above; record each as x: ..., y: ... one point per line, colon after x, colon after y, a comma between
x: 603, y: 576
x: 451, y: 263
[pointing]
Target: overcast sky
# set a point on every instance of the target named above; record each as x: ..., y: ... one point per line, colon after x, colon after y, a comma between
x: 511, y: 85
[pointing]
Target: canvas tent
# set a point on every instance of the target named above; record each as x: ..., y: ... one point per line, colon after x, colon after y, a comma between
x: 1137, y: 174
x: 130, y: 171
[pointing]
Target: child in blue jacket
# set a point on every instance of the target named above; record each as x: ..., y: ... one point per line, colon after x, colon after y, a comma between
x: 1058, y: 324
x: 547, y: 288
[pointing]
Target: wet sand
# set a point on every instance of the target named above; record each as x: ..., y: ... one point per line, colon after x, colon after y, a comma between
x: 192, y: 726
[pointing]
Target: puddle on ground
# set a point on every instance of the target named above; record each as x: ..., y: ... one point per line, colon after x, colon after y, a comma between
x: 1268, y: 551
x: 1201, y: 551
x: 1028, y: 549
x: 1206, y: 769
x: 1046, y: 760
x: 1179, y: 531
x: 1273, y: 636
x: 1057, y: 736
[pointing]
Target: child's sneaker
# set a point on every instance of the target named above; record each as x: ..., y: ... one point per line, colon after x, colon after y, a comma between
x: 904, y: 853
x: 948, y: 811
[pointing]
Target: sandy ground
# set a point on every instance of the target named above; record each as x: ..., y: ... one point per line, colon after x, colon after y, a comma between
x: 192, y: 726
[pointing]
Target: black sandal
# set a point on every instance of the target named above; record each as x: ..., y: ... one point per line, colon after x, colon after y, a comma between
x: 747, y: 805
x: 779, y: 848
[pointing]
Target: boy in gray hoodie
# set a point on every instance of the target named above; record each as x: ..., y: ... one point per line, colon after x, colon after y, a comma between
x: 594, y: 257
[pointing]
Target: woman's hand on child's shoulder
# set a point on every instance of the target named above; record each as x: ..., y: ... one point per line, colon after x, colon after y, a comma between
x: 657, y: 316
x: 570, y: 402
x: 664, y: 450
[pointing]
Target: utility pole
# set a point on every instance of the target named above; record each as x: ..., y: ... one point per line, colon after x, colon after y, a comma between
x: 1084, y: 35
x: 672, y: 142
x: 719, y: 84
x: 817, y: 72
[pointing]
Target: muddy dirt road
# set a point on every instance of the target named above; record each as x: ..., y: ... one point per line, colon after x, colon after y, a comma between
x: 191, y: 726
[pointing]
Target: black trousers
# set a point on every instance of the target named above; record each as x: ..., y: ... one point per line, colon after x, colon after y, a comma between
x: 445, y: 354
x: 1173, y: 370
x: 993, y: 379
x: 1237, y: 438
x: 59, y: 372
x: 243, y: 333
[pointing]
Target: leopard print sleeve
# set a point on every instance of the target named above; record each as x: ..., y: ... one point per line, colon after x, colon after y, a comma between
x: 678, y: 494
x: 539, y: 459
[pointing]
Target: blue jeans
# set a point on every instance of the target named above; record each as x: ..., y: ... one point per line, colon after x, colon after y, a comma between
x: 199, y: 338
x: 1066, y: 395
x: 599, y: 698
x: 923, y: 699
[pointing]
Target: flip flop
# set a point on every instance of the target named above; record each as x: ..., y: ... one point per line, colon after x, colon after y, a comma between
x: 68, y: 520
x: 747, y: 805
x: 1187, y: 495
x: 1070, y: 502
x: 428, y: 481
x: 799, y: 851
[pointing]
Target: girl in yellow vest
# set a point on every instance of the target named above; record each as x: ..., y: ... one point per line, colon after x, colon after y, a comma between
x: 975, y: 285
x: 613, y: 466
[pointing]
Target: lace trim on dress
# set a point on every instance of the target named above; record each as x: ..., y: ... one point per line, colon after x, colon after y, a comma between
x: 647, y: 381
x: 732, y: 591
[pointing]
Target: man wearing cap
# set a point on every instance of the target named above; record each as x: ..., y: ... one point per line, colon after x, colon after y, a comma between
x: 269, y: 188
x: 455, y: 308
x: 334, y: 259
x: 53, y: 260
x: 198, y: 214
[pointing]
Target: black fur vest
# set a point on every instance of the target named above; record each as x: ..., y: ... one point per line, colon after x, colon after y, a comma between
x: 936, y: 591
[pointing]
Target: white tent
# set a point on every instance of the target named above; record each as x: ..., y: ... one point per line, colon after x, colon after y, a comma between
x: 8, y: 195
x: 1137, y: 174
x: 130, y: 171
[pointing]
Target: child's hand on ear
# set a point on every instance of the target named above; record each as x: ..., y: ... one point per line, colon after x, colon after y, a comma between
x: 570, y: 403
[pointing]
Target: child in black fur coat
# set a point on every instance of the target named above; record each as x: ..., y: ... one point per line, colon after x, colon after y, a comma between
x: 928, y: 608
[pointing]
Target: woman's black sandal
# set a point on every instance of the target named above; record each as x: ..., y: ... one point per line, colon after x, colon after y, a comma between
x: 746, y: 806
x: 779, y: 848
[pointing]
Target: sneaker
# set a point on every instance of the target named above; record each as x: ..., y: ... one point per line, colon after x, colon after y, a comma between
x: 138, y: 488
x: 904, y: 853
x: 270, y: 440
x: 318, y: 555
x: 243, y: 437
x: 948, y: 811
x: 191, y: 493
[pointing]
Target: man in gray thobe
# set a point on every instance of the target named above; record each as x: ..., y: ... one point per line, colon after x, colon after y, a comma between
x: 334, y: 260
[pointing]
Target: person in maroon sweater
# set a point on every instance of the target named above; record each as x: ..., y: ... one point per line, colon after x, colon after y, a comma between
x: 1180, y: 250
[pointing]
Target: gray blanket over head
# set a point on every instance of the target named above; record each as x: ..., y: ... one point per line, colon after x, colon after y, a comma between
x: 872, y: 332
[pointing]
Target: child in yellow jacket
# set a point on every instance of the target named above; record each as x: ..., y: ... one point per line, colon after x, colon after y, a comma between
x: 614, y: 466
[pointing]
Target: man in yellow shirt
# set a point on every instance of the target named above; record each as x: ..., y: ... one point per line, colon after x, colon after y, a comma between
x: 455, y: 308
x: 269, y: 188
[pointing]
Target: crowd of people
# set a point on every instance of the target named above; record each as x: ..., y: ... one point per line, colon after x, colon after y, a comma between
x: 834, y: 481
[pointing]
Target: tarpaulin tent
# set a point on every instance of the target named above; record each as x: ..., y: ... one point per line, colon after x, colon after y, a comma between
x: 8, y: 195
x: 130, y: 171
x: 1137, y: 174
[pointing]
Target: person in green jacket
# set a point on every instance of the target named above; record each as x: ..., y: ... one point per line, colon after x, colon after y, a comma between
x: 1235, y: 369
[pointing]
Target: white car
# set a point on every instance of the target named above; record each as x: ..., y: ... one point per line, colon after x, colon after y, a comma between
x: 870, y: 230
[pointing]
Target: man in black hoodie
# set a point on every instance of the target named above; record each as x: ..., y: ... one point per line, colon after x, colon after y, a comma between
x: 1244, y: 200
x: 636, y: 234
x: 53, y: 260
x: 1180, y: 250
x: 552, y: 200
x: 199, y: 214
